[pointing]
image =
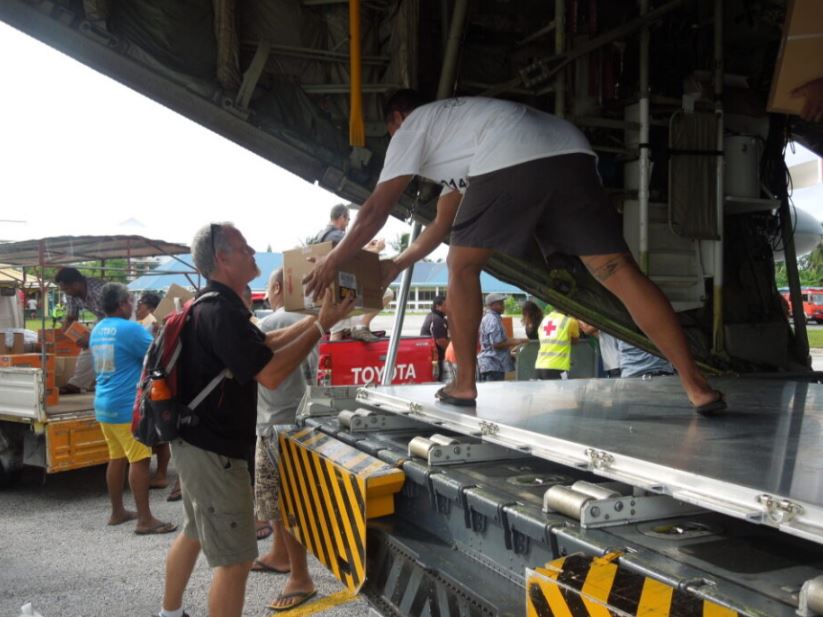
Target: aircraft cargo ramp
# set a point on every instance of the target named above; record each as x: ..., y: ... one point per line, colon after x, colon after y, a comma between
x: 762, y: 461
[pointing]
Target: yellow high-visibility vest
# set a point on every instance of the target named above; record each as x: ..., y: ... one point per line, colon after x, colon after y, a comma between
x: 556, y: 333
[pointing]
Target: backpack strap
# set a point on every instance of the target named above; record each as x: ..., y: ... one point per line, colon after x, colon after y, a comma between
x: 208, y: 389
x: 210, y: 295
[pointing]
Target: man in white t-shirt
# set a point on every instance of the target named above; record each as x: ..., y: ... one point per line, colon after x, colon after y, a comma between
x: 510, y: 174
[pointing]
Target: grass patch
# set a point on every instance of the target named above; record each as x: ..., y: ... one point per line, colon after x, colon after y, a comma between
x: 815, y: 338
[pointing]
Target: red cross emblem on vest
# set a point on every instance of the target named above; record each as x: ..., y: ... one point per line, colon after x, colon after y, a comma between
x: 550, y: 327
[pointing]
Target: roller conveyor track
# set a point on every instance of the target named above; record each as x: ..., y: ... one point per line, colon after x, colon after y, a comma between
x: 762, y: 461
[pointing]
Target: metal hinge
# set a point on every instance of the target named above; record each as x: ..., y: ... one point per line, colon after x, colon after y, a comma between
x: 599, y: 459
x: 779, y: 510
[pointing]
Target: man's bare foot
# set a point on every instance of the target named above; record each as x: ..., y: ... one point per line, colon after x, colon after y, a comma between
x: 154, y: 527
x: 295, y: 592
x: 122, y: 517
x: 158, y: 482
x: 703, y: 396
x: 454, y: 397
x: 267, y: 563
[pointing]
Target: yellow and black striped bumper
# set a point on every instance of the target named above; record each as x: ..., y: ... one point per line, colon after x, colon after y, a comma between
x: 582, y: 586
x: 328, y: 492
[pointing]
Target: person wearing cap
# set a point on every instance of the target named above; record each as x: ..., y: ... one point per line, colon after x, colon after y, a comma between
x: 495, y: 358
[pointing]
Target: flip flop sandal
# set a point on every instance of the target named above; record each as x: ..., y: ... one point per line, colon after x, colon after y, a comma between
x: 263, y: 532
x: 160, y: 528
x: 175, y: 495
x: 299, y: 597
x: 448, y: 399
x: 716, y: 407
x: 259, y: 566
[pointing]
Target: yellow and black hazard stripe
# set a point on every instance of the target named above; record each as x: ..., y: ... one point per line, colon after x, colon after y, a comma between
x: 584, y: 586
x: 328, y: 492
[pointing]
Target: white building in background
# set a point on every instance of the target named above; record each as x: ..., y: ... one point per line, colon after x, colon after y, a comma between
x: 806, y: 170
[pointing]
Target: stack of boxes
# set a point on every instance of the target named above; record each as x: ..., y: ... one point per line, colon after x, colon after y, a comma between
x: 61, y: 351
x: 15, y: 356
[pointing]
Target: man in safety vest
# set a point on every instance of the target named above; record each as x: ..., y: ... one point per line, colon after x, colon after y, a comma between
x: 557, y: 332
x: 58, y: 312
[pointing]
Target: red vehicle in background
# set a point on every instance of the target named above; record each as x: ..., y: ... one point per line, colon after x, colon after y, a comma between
x: 812, y: 302
x: 354, y: 363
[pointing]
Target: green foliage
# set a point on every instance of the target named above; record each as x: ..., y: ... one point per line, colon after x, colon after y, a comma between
x: 513, y: 306
x: 114, y: 270
x: 400, y: 243
x: 809, y: 267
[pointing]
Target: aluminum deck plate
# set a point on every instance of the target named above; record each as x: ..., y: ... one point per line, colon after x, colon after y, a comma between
x: 762, y: 461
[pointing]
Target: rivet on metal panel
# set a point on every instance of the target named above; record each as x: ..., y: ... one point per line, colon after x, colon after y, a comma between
x: 779, y: 510
x: 599, y: 459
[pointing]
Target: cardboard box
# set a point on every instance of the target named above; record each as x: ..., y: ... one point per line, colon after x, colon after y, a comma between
x: 64, y: 369
x: 167, y: 304
x: 76, y: 331
x: 58, y: 343
x: 800, y: 59
x: 13, y: 342
x: 359, y: 277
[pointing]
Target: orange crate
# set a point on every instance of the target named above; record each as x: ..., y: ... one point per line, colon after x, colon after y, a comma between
x: 32, y: 360
x: 76, y: 331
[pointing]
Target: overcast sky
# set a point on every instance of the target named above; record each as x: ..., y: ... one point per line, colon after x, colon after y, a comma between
x: 83, y: 154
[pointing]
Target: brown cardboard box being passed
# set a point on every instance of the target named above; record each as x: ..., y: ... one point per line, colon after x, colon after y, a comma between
x: 167, y: 304
x: 360, y: 277
x: 800, y: 59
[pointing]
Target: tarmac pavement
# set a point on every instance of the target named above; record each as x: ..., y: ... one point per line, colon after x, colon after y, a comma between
x: 57, y: 552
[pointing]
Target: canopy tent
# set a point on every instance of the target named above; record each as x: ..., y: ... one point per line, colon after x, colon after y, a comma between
x: 66, y: 250
x: 75, y: 250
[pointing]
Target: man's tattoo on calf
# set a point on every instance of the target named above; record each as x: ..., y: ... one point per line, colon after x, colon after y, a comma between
x: 601, y: 273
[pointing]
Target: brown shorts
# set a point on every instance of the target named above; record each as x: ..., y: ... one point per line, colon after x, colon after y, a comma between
x: 557, y: 201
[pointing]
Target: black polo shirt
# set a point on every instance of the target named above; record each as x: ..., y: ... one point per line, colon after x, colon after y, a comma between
x: 220, y: 335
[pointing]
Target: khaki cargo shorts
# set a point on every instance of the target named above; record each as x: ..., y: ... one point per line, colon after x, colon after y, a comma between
x: 218, y: 504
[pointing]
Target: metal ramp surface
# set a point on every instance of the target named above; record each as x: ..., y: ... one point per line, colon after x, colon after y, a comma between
x: 762, y: 461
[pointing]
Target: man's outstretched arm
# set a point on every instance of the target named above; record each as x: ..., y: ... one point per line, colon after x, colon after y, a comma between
x: 429, y: 239
x: 370, y: 219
